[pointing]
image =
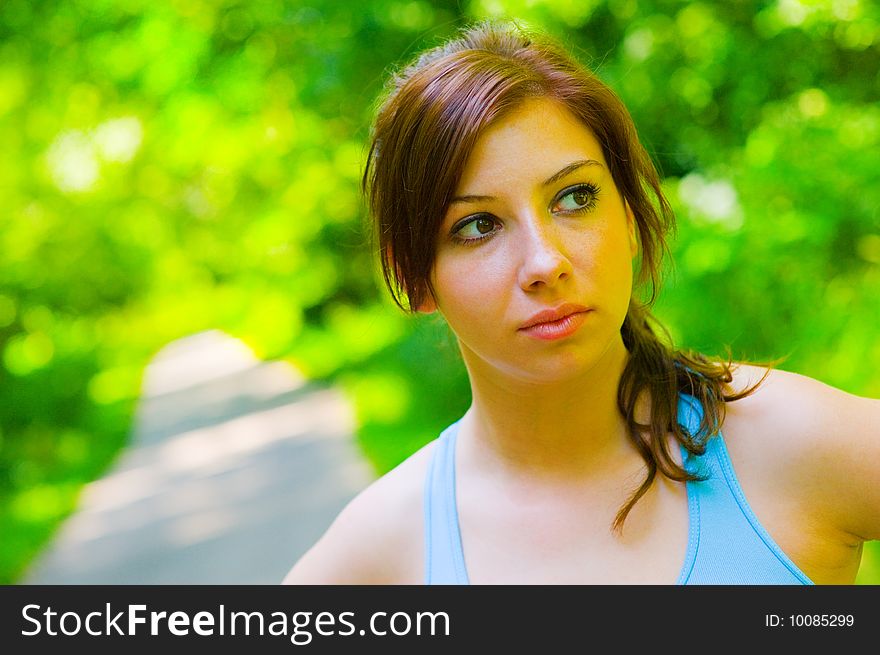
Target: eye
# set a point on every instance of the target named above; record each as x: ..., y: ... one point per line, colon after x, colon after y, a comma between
x: 475, y: 228
x: 577, y: 198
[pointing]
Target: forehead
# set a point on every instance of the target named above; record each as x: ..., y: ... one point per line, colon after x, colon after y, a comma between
x: 534, y: 140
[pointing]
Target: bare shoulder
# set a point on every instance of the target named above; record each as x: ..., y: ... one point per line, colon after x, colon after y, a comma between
x: 378, y: 537
x: 814, y: 442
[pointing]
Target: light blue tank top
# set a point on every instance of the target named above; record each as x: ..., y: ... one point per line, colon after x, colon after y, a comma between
x: 726, y: 543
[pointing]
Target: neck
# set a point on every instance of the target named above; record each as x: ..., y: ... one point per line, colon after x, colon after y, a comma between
x: 566, y: 430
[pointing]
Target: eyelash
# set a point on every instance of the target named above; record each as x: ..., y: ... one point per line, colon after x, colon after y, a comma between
x: 589, y: 187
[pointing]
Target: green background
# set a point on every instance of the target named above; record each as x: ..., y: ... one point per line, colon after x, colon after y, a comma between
x: 173, y: 166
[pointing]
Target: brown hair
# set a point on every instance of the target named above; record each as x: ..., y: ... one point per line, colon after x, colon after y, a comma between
x: 432, y: 115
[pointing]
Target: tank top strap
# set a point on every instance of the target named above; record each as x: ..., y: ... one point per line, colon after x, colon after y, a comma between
x: 444, y: 557
x: 690, y: 414
x: 727, y: 544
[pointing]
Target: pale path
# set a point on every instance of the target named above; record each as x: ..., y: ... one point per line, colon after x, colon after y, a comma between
x: 236, y: 467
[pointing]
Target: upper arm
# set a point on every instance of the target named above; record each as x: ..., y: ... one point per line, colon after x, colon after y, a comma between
x: 830, y: 449
x: 847, y: 439
x: 378, y: 537
x: 349, y: 552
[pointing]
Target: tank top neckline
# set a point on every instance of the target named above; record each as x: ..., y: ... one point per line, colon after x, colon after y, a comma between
x: 733, y: 531
x: 451, y: 433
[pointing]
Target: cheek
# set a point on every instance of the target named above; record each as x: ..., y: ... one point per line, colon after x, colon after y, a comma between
x: 620, y: 273
x: 470, y: 290
x: 598, y: 246
x: 607, y: 262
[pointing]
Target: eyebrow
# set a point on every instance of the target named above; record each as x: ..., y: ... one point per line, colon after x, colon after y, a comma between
x: 567, y: 170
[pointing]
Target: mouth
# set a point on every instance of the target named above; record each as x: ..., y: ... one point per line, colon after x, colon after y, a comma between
x: 553, y: 316
x: 552, y: 324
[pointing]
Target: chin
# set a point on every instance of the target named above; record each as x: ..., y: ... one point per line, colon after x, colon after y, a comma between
x: 573, y: 365
x: 558, y: 371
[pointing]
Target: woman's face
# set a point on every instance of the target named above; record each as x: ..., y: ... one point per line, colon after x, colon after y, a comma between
x: 536, y: 225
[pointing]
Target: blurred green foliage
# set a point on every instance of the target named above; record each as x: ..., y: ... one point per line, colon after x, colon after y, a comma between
x: 178, y: 165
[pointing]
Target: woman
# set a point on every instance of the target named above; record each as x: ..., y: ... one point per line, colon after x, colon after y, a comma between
x: 510, y: 194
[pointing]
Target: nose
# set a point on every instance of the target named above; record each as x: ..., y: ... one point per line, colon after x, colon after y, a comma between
x: 543, y: 259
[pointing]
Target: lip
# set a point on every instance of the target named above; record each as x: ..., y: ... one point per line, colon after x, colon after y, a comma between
x: 553, y: 324
x: 551, y: 316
